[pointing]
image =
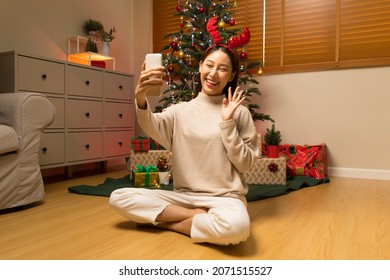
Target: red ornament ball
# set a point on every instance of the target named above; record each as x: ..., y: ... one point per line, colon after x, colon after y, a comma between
x: 232, y: 22
x: 179, y: 8
x: 243, y: 55
x: 190, y: 63
x: 174, y: 45
x: 171, y: 68
x: 201, y: 9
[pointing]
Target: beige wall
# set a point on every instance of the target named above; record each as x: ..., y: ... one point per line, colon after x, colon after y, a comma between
x: 41, y: 27
x: 346, y: 109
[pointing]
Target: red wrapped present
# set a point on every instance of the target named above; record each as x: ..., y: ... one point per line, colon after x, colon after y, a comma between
x: 306, y: 160
x: 140, y: 143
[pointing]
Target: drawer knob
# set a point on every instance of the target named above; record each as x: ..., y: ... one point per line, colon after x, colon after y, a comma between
x: 120, y: 115
x: 120, y: 143
x: 87, y: 146
x: 44, y: 149
x: 120, y: 87
x: 87, y: 114
x: 44, y: 76
x: 87, y: 83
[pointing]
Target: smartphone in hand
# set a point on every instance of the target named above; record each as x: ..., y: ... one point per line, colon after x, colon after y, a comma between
x: 153, y: 60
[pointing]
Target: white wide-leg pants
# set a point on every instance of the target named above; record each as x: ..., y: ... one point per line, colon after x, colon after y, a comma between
x: 227, y: 221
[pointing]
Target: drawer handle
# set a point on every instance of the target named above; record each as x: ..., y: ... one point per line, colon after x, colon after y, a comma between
x: 120, y: 87
x: 120, y: 143
x: 44, y: 76
x: 87, y: 83
x: 120, y: 115
x: 44, y: 149
x: 87, y: 146
x: 87, y: 114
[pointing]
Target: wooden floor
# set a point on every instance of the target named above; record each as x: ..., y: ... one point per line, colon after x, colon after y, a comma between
x: 344, y: 219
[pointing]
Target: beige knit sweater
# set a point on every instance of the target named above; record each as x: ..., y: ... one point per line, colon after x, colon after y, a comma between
x: 209, y: 155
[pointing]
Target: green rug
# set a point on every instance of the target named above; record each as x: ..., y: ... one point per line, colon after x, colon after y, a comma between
x: 256, y: 192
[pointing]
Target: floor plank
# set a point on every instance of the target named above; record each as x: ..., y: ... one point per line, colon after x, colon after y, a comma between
x: 344, y: 219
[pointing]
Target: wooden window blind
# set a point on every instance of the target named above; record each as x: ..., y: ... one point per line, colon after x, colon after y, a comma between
x: 248, y: 13
x: 164, y: 22
x: 297, y: 34
x: 326, y: 34
x: 364, y: 32
x: 303, y: 35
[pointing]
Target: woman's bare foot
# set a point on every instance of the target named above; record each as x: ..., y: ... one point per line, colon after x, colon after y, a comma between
x: 175, y: 213
x: 178, y: 218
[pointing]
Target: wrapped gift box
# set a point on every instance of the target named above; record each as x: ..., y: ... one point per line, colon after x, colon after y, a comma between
x: 154, y: 145
x: 148, y: 158
x: 145, y: 179
x: 306, y: 160
x: 267, y: 171
x: 140, y: 143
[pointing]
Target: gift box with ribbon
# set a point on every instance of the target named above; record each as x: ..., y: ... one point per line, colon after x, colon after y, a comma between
x: 149, y: 158
x: 154, y: 145
x: 140, y: 143
x: 306, y: 160
x: 145, y: 176
x: 267, y: 171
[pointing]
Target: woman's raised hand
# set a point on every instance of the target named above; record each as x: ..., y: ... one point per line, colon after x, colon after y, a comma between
x: 230, y: 104
x: 148, y: 80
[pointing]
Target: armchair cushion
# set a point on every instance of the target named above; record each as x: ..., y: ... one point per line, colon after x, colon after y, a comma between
x: 9, y: 141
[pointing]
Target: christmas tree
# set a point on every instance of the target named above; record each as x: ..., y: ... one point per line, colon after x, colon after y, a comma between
x: 185, y: 48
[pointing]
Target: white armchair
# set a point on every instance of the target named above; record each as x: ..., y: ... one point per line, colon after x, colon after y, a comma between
x: 23, y: 117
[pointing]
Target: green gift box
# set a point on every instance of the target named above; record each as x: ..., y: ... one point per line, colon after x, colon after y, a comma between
x: 145, y: 177
x: 154, y: 145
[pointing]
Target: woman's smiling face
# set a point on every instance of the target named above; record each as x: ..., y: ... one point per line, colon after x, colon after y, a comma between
x: 215, y: 72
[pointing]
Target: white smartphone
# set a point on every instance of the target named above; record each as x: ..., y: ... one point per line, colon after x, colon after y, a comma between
x: 153, y: 60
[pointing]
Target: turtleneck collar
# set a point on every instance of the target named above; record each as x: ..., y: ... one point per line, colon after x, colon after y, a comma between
x: 210, y: 99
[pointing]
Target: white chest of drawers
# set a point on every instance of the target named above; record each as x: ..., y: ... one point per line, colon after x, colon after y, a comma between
x: 94, y: 107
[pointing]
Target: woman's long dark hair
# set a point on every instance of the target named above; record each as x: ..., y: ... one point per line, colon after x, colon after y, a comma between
x: 235, y: 67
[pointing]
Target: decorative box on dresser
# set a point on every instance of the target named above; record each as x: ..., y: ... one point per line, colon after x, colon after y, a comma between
x: 94, y: 119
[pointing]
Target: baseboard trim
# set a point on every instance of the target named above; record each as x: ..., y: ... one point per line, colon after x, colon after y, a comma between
x: 378, y: 174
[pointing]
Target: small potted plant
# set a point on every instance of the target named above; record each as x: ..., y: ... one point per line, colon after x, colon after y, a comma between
x: 272, y: 139
x: 91, y: 46
x: 92, y: 27
x: 107, y: 36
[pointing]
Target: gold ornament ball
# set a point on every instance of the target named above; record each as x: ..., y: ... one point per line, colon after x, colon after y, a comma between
x: 189, y: 26
x: 260, y: 72
x: 181, y: 54
x: 221, y: 24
